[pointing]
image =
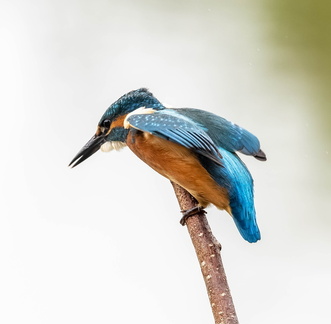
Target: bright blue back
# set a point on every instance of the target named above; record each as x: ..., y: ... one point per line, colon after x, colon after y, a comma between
x: 235, y: 177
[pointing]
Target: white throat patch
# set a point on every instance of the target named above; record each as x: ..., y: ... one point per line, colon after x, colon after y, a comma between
x: 112, y: 145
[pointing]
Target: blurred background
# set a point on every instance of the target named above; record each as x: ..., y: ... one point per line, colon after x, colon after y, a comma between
x: 102, y: 242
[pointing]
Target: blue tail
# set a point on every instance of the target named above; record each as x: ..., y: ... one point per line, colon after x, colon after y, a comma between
x: 241, y: 196
x: 235, y: 177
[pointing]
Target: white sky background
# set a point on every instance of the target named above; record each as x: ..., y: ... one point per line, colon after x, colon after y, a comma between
x: 102, y: 243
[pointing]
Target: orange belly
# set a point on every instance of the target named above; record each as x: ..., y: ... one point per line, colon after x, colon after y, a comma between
x: 179, y: 165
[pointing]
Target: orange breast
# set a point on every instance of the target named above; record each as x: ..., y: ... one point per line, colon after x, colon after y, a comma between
x: 179, y: 165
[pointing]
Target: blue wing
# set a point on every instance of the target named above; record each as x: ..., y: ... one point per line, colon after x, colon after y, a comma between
x: 224, y: 133
x: 234, y: 176
x: 212, y: 136
x: 177, y: 129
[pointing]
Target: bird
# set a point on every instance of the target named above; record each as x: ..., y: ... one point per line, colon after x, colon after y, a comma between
x: 193, y: 148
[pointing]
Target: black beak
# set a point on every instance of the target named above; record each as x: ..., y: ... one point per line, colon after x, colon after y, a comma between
x: 92, y: 146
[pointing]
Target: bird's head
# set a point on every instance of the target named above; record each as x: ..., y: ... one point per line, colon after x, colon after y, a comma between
x: 110, y: 127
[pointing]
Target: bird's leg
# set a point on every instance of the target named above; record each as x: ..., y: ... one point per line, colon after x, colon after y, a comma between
x: 190, y: 212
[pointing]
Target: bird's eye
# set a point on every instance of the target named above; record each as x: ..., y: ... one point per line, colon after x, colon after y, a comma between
x: 106, y: 123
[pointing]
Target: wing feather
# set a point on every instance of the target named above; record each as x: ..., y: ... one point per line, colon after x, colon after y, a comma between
x: 176, y: 129
x: 224, y: 134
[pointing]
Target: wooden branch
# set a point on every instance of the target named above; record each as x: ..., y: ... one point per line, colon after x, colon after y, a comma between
x: 208, y: 250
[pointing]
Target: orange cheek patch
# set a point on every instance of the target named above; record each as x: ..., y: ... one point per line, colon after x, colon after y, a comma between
x: 118, y: 122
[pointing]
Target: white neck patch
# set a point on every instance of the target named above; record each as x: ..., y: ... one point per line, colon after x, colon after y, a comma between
x: 139, y: 111
x: 112, y: 145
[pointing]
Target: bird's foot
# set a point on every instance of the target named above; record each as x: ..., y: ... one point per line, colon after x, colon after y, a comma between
x: 190, y: 212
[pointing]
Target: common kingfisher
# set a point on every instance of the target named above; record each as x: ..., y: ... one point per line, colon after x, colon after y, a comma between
x: 193, y: 148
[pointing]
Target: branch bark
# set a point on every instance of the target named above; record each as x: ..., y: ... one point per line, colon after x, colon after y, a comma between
x: 208, y: 250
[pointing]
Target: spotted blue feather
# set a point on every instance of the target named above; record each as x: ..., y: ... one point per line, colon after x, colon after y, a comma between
x: 178, y: 130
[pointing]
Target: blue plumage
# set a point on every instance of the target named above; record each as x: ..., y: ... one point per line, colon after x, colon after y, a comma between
x: 178, y: 130
x: 235, y: 177
x: 201, y: 131
x: 129, y: 102
x: 229, y: 137
x: 207, y: 142
x: 225, y: 134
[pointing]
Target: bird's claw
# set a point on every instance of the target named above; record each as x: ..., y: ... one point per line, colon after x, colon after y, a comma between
x: 190, y: 212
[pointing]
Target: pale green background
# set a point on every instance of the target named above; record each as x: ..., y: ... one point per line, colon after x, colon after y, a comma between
x: 101, y: 243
